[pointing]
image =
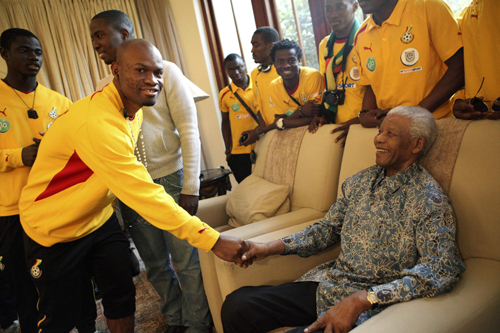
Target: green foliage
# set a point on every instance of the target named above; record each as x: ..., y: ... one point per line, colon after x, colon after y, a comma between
x: 289, y: 29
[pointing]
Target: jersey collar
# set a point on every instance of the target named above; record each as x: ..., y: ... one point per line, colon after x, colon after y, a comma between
x: 394, y: 19
x: 249, y: 87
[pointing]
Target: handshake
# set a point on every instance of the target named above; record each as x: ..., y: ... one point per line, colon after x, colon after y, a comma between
x: 244, y: 253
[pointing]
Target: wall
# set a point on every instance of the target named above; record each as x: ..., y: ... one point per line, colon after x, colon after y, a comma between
x: 191, y: 31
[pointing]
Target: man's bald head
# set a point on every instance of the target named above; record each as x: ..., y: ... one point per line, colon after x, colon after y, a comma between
x: 138, y: 72
x: 138, y: 46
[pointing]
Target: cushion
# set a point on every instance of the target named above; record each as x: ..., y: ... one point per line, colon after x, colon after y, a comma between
x: 256, y: 199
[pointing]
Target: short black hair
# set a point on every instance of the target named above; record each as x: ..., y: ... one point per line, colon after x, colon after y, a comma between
x: 232, y: 57
x: 286, y: 44
x: 118, y: 19
x: 269, y: 35
x: 9, y: 36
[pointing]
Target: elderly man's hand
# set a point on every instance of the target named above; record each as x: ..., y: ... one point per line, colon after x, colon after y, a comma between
x: 342, y: 317
x: 462, y: 109
x: 229, y: 248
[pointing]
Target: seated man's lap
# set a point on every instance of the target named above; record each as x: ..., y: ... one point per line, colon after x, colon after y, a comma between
x: 264, y: 308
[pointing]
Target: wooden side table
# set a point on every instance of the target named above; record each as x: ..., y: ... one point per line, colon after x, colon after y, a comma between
x: 214, y: 182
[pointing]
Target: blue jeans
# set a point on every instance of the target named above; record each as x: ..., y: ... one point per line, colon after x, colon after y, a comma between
x: 187, y: 306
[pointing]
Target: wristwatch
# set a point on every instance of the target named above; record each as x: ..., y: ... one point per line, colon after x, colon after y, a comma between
x: 372, y: 298
x: 280, y: 125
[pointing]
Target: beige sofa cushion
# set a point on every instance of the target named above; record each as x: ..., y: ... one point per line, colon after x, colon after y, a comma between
x: 256, y: 199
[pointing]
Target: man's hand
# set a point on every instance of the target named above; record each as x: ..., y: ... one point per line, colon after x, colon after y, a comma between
x: 253, y: 136
x: 29, y: 153
x: 189, y: 203
x: 229, y: 248
x: 369, y: 119
x: 310, y: 109
x: 316, y: 123
x: 462, y: 109
x: 342, y: 317
x: 345, y: 129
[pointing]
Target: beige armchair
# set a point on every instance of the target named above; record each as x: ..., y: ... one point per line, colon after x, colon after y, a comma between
x: 474, y: 303
x: 314, y: 191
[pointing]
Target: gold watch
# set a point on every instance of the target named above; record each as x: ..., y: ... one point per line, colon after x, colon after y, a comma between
x: 372, y: 298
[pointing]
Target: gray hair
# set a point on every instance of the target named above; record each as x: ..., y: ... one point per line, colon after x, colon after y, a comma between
x: 423, y: 124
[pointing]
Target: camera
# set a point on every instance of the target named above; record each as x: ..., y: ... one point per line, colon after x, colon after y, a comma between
x: 243, y: 138
x: 334, y: 97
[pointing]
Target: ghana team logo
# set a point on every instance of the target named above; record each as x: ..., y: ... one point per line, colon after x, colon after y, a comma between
x: 36, y: 272
x: 53, y: 113
x: 407, y: 37
x: 2, y: 266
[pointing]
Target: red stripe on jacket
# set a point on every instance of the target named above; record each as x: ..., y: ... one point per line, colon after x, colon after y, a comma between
x: 75, y: 172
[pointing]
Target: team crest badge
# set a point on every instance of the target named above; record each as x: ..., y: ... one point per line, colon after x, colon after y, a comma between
x: 371, y: 64
x: 410, y: 57
x: 4, y: 125
x: 36, y: 272
x: 407, y: 37
x: 354, y: 73
x: 2, y: 266
x: 235, y: 107
x: 53, y: 113
x: 304, y: 98
x: 289, y: 113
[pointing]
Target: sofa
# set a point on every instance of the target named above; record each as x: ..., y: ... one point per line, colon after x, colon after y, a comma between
x: 317, y: 167
x: 474, y: 188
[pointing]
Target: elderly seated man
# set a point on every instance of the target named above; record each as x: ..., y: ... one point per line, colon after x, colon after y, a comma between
x: 396, y: 229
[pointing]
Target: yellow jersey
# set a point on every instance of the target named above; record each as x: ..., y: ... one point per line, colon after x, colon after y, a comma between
x: 309, y: 88
x: 17, y: 131
x: 403, y: 59
x: 479, y: 31
x: 86, y: 159
x: 261, y: 81
x: 239, y: 118
x: 354, y: 92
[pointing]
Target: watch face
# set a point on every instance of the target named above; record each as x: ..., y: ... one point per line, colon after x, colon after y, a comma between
x: 372, y: 298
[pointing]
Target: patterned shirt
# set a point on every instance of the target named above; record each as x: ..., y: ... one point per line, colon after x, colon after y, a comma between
x: 397, y: 237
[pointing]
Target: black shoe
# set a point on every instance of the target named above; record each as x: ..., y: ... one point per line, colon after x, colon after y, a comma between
x: 175, y: 329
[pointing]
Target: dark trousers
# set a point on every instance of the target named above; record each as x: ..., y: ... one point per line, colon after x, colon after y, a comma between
x: 265, y: 308
x: 7, y: 304
x: 240, y: 165
x: 13, y: 268
x: 62, y: 274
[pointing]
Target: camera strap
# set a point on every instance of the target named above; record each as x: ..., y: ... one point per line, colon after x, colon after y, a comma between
x: 254, y: 116
x: 343, y: 53
x: 331, y: 59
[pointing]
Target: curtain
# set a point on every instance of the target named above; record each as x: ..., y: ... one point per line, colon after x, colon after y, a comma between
x: 70, y: 64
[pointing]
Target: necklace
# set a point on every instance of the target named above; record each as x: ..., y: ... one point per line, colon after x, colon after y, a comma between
x: 140, y: 157
x: 32, y: 114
